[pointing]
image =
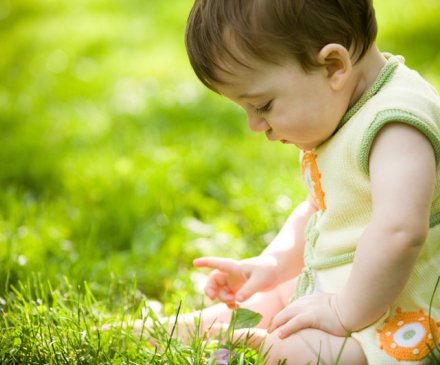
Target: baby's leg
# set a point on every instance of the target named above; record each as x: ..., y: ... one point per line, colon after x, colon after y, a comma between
x: 268, y: 304
x: 303, y: 346
x: 299, y: 348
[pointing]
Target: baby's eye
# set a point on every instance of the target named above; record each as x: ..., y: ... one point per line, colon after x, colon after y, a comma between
x: 264, y: 108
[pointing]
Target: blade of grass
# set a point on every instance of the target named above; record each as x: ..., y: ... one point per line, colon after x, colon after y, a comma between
x: 319, y: 353
x: 431, y: 351
x: 174, y: 326
x: 343, y: 345
x: 429, y: 314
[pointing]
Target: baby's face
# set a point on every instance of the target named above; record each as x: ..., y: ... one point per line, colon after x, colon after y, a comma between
x: 284, y: 102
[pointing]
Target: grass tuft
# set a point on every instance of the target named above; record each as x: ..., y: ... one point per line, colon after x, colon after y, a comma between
x: 43, y: 325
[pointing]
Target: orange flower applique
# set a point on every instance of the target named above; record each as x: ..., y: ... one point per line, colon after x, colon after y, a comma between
x: 406, y: 336
x: 311, y: 177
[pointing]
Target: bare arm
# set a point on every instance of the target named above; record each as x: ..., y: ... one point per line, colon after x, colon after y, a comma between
x: 402, y: 171
x: 282, y: 260
x: 288, y: 245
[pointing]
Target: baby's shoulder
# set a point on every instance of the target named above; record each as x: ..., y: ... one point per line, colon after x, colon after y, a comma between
x: 402, y: 95
x: 408, y: 90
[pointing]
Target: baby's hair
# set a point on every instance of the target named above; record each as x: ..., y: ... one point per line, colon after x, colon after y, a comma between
x: 272, y: 30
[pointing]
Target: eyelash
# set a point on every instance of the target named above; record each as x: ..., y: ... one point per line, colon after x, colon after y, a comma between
x: 264, y: 108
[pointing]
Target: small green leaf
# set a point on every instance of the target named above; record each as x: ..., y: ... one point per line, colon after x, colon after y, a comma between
x: 246, y: 318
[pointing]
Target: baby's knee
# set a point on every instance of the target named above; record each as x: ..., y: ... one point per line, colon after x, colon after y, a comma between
x: 282, y: 349
x: 309, y: 345
x: 298, y: 349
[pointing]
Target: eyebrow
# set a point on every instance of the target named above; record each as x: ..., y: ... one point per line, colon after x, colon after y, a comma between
x: 249, y: 96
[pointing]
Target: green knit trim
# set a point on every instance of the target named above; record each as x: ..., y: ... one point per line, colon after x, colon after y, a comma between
x: 313, y: 263
x: 310, y: 225
x: 313, y: 236
x: 434, y: 220
x: 385, y: 76
x: 330, y: 262
x: 306, y: 277
x: 395, y: 115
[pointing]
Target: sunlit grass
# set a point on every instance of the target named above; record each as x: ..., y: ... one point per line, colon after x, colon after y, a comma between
x: 64, y: 325
x: 42, y: 324
x: 115, y: 161
x: 109, y: 144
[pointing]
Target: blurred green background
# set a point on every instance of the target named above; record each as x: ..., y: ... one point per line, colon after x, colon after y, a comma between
x: 115, y: 161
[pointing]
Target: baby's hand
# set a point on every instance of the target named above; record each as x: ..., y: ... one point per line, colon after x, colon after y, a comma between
x: 236, y: 281
x: 318, y: 310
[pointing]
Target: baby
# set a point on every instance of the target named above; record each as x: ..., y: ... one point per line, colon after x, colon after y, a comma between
x: 362, y: 252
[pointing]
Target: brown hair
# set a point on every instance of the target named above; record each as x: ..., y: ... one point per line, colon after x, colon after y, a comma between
x: 270, y: 29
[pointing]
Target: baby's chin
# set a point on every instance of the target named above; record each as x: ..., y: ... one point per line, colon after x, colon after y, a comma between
x: 309, y: 146
x: 305, y: 146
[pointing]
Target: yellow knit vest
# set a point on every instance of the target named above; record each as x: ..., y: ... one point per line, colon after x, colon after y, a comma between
x: 337, y: 176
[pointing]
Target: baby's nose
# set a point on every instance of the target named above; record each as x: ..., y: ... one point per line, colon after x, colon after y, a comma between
x: 258, y: 124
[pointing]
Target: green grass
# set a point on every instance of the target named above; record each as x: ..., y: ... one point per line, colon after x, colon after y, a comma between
x: 115, y: 162
x: 41, y: 324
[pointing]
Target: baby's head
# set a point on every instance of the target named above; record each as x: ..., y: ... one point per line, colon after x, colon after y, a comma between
x: 286, y: 62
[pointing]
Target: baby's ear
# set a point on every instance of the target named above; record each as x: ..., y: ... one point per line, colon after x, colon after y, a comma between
x: 336, y: 62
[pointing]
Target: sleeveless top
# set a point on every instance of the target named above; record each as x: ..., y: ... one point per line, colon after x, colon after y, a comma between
x: 336, y: 174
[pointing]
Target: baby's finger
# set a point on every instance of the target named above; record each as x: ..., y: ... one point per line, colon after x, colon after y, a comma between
x: 233, y: 305
x: 248, y: 289
x: 296, y: 324
x: 225, y: 296
x: 222, y: 264
x: 215, y: 281
x: 284, y: 316
x: 212, y: 294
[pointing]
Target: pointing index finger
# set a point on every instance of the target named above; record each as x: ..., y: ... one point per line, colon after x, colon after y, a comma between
x: 222, y: 264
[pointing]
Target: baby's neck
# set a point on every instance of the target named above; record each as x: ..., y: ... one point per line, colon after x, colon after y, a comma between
x: 365, y: 73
